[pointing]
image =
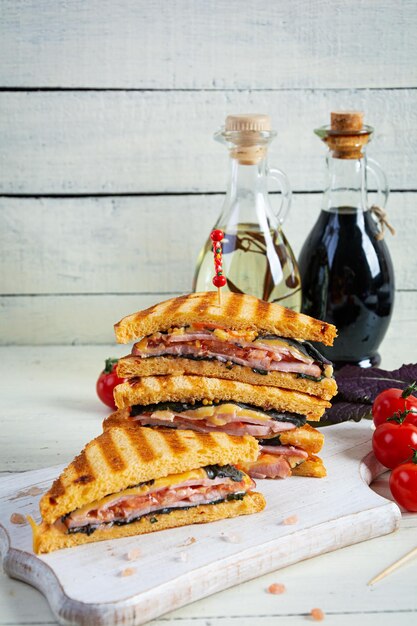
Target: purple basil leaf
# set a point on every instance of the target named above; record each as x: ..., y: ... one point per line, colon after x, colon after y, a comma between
x: 363, y: 385
x: 345, y: 411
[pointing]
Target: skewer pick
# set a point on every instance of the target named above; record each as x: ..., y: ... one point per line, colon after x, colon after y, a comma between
x: 394, y: 566
x: 219, y: 279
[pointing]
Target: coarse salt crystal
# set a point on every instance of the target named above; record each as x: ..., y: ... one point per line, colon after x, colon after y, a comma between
x: 128, y: 571
x: 292, y: 519
x: 317, y: 615
x: 18, y: 518
x: 276, y: 589
x: 133, y: 554
x: 230, y: 538
x: 182, y: 557
x: 188, y: 542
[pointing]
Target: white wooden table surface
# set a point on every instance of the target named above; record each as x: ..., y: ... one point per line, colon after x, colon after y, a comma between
x: 49, y: 410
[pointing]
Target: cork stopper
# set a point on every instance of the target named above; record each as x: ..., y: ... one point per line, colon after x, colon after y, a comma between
x: 347, y: 134
x: 249, y: 134
x: 248, y: 122
x: 346, y: 120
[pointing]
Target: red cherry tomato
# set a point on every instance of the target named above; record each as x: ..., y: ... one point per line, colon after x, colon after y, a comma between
x: 391, y: 401
x: 403, y: 484
x: 393, y: 443
x: 107, y: 381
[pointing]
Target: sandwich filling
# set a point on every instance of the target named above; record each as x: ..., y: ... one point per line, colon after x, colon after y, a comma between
x: 233, y: 418
x: 262, y: 353
x: 207, y: 485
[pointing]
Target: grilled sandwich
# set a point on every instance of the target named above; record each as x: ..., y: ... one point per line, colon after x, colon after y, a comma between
x: 130, y: 481
x: 277, y: 417
x: 245, y: 339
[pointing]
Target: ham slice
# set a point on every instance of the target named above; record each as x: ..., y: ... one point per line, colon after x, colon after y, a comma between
x: 275, y: 462
x: 228, y: 346
x: 268, y: 466
x: 285, y: 451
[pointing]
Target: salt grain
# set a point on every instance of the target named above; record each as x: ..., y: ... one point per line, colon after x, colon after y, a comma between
x: 128, y: 571
x: 230, y: 538
x: 133, y: 554
x: 188, y: 542
x: 182, y: 557
x: 276, y: 589
x: 288, y: 521
x: 18, y: 518
x: 317, y: 615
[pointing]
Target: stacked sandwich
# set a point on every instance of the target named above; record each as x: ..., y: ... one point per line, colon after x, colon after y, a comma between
x: 204, y: 383
x: 244, y: 367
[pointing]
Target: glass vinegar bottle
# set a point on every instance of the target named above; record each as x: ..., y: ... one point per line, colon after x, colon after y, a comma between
x: 257, y: 258
x: 346, y: 269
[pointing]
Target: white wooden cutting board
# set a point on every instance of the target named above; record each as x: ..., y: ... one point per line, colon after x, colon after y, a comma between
x: 86, y: 585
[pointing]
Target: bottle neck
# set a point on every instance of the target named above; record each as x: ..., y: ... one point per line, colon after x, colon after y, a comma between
x: 346, y: 184
x: 247, y: 183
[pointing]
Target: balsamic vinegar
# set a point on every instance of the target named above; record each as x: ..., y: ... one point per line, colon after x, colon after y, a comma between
x: 347, y: 279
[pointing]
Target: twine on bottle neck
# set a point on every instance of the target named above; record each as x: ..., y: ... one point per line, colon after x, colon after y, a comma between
x: 382, y: 217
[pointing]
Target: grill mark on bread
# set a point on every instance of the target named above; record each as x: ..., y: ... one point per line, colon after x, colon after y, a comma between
x: 110, y: 452
x: 85, y: 474
x: 56, y: 491
x: 173, y: 306
x: 143, y: 448
x: 206, y: 440
x: 175, y: 442
x: 201, y: 307
x: 233, y: 307
x: 261, y: 310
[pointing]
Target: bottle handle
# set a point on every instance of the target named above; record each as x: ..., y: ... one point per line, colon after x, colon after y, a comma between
x: 381, y: 182
x: 285, y: 188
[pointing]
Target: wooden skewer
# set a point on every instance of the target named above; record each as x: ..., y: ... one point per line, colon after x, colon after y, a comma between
x: 219, y: 296
x: 393, y: 567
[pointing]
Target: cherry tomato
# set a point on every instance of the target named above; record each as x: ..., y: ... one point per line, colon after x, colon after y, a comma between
x: 391, y: 401
x: 394, y: 443
x: 403, y: 484
x: 107, y: 381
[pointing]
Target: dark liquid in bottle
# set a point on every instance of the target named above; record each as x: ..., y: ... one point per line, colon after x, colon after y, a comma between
x: 347, y: 279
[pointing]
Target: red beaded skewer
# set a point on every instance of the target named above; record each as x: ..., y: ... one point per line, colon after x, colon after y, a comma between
x: 219, y: 280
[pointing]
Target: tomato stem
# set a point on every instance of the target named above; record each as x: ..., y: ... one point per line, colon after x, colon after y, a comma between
x: 399, y: 416
x: 414, y: 457
x: 110, y: 363
x: 408, y: 391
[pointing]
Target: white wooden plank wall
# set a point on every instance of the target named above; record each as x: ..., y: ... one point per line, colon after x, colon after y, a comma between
x: 109, y: 177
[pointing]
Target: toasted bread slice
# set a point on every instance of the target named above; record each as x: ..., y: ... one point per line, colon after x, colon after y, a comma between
x: 122, y: 457
x: 305, y: 437
x: 135, y: 366
x: 312, y: 467
x: 47, y: 538
x: 154, y: 389
x: 236, y: 312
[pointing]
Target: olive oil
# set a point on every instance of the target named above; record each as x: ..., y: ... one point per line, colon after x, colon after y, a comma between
x: 255, y: 262
x: 257, y: 258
